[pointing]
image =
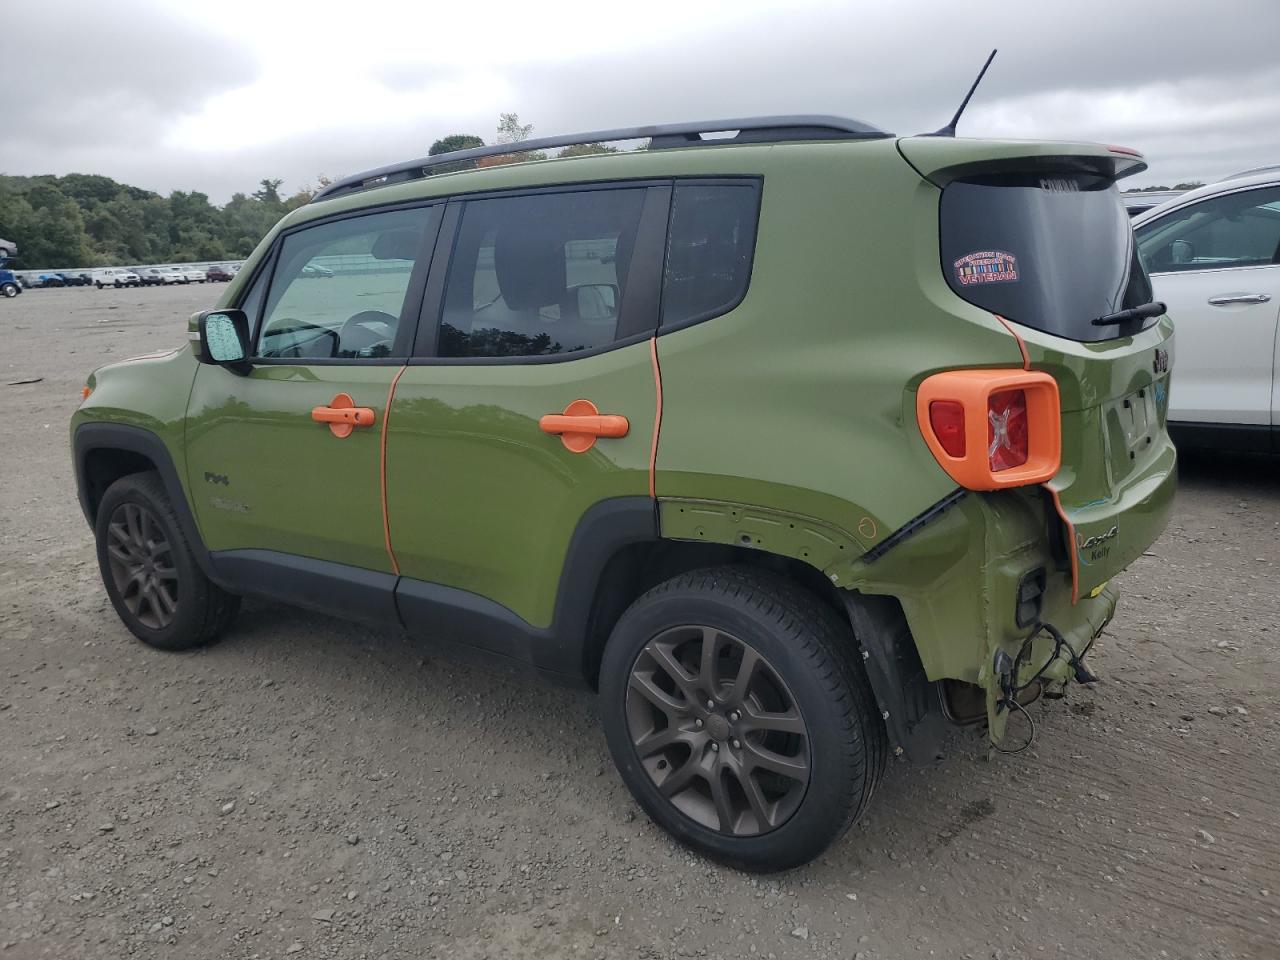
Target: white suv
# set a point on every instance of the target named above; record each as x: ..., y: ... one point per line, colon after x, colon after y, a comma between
x: 190, y: 274
x: 116, y: 277
x: 1214, y: 258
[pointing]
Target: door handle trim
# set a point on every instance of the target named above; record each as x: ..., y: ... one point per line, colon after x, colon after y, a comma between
x: 1239, y: 298
x: 343, y: 416
x: 582, y: 423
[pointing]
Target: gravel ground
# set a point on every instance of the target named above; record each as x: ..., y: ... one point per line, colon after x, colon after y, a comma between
x: 311, y: 788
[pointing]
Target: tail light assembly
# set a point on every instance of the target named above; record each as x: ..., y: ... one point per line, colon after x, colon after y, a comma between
x: 992, y: 429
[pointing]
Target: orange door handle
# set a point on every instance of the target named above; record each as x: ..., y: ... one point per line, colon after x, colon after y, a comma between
x: 342, y: 415
x: 581, y: 423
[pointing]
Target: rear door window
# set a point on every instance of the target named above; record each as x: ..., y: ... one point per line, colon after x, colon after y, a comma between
x: 709, y: 249
x: 540, y: 275
x: 1050, y: 251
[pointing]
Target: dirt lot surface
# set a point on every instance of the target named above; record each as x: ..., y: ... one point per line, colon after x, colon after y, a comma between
x: 310, y: 788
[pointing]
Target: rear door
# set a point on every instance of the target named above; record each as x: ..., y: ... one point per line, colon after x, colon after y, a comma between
x: 531, y: 397
x: 275, y: 480
x: 1214, y: 262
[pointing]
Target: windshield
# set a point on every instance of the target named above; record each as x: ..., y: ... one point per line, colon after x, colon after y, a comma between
x: 1053, y: 252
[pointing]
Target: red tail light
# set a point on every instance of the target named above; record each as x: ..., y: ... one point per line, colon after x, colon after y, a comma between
x: 1007, y: 444
x: 992, y: 429
x: 947, y: 419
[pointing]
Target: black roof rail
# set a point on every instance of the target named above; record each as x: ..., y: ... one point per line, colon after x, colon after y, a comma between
x: 661, y: 137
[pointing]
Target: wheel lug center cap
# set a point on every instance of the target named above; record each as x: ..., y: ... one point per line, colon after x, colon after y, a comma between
x: 718, y: 727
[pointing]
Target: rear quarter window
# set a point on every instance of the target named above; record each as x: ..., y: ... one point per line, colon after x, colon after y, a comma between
x: 710, y: 247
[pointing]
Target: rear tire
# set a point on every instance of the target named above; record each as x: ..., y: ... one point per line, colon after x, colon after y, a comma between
x: 10, y: 290
x: 152, y: 577
x: 760, y: 768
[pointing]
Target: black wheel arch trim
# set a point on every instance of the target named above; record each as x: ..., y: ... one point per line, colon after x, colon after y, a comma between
x: 907, y: 699
x: 118, y: 436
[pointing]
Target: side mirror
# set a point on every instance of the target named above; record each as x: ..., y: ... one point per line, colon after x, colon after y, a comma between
x: 597, y: 301
x: 224, y: 339
x: 1182, y: 251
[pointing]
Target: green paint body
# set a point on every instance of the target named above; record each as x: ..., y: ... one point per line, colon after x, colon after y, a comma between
x: 788, y: 424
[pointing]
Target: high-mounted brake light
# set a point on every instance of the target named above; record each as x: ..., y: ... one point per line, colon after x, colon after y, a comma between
x: 991, y: 429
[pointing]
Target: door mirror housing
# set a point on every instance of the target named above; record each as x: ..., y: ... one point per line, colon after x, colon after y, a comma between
x: 224, y: 339
x: 1182, y: 251
x: 597, y: 301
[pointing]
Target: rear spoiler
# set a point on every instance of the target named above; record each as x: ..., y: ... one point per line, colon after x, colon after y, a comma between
x: 943, y: 159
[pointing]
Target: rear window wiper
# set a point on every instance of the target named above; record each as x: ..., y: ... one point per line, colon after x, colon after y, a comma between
x: 1147, y: 310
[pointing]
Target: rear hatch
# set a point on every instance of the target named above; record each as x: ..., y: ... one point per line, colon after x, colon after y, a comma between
x: 1038, y: 234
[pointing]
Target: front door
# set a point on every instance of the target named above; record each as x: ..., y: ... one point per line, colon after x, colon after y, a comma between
x: 1214, y: 263
x: 288, y: 458
x: 533, y: 395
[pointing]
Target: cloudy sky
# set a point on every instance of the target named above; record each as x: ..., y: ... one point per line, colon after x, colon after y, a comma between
x: 173, y: 94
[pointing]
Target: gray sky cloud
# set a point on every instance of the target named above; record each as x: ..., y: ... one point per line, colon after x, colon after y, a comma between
x: 166, y: 96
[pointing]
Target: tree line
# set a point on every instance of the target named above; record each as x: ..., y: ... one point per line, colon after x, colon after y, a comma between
x: 93, y: 221
x: 87, y: 220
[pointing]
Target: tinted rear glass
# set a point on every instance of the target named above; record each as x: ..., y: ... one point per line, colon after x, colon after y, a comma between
x: 709, y: 250
x: 1052, y: 252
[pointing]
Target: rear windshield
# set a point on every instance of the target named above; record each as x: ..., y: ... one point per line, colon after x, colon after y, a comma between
x: 1051, y: 251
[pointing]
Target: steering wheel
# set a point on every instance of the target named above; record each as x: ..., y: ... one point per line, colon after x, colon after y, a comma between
x: 365, y: 331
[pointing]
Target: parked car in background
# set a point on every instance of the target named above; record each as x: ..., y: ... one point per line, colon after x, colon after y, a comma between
x: 8, y: 250
x: 117, y: 277
x: 218, y: 275
x: 1214, y: 259
x: 192, y: 274
x: 50, y: 280
x: 149, y: 276
x: 9, y: 285
x: 1140, y: 201
x: 313, y: 270
x: 77, y: 280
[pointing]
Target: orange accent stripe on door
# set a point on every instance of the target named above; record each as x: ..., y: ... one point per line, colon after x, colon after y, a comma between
x: 1022, y: 347
x: 382, y: 471
x: 1071, y: 545
x: 657, y: 416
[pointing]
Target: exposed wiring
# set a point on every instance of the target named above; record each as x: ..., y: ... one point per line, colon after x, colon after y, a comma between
x: 1059, y: 641
x: 1031, y: 735
x: 1009, y: 701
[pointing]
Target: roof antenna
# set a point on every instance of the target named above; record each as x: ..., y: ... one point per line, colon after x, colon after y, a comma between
x: 950, y: 129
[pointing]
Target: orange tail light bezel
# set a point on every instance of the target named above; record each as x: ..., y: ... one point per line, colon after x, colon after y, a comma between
x: 972, y: 389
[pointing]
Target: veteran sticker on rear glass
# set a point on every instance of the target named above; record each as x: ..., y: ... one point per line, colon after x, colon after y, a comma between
x: 986, y: 266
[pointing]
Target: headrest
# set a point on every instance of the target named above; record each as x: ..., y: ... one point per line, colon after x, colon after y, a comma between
x: 530, y: 264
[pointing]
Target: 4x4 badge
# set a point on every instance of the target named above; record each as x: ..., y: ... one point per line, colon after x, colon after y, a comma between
x: 1161, y: 363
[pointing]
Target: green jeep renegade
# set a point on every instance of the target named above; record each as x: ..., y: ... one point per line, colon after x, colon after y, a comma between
x: 799, y: 444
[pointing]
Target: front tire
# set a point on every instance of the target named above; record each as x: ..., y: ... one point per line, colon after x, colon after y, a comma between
x: 740, y: 718
x: 152, y: 577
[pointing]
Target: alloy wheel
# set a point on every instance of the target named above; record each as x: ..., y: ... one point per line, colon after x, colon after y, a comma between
x: 142, y: 565
x: 717, y: 731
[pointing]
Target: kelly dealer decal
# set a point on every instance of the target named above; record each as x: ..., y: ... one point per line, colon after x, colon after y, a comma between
x: 986, y: 266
